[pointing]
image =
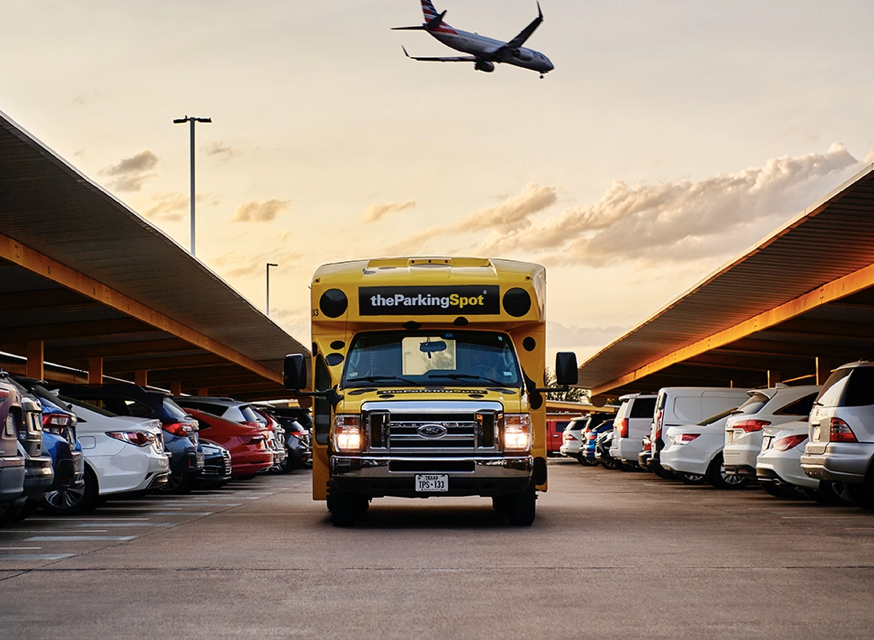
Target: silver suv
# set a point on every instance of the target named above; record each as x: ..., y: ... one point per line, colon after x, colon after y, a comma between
x: 840, y: 446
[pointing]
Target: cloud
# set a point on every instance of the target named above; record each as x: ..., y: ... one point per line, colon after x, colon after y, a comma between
x: 376, y: 211
x: 260, y: 211
x: 510, y: 215
x: 235, y: 265
x: 170, y: 207
x: 670, y: 221
x: 220, y: 149
x: 130, y: 173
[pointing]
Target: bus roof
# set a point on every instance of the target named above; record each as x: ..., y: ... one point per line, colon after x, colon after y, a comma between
x: 430, y: 289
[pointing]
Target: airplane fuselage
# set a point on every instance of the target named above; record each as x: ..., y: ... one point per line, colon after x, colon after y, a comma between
x: 486, y: 48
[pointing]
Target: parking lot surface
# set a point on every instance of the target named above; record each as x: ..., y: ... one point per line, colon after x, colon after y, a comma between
x: 611, y: 555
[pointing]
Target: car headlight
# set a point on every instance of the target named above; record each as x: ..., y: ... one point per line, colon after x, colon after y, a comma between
x: 347, y: 433
x: 517, y: 432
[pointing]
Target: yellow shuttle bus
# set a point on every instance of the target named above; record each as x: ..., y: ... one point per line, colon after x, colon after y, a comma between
x: 428, y: 378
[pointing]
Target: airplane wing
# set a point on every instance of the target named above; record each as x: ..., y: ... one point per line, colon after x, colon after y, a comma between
x: 441, y: 59
x: 519, y: 40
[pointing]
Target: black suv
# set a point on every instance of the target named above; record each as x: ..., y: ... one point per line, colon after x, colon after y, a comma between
x: 180, y: 429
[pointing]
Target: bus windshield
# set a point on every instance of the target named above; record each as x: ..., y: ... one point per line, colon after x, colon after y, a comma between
x: 434, y: 358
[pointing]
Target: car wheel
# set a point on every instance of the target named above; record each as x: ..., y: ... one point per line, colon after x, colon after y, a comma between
x: 73, y: 501
x: 501, y: 503
x: 523, y: 507
x: 772, y: 489
x: 179, y: 483
x: 9, y: 512
x: 29, y: 508
x: 717, y: 476
x: 589, y: 462
x: 693, y: 478
x: 608, y: 462
x: 862, y: 495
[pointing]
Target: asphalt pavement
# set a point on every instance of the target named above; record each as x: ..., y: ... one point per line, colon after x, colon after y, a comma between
x: 611, y: 555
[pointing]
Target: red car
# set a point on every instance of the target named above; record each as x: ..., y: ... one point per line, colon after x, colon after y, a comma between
x: 248, y: 445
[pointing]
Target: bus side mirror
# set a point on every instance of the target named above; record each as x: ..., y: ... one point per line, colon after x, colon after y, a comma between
x: 294, y: 371
x: 566, y: 370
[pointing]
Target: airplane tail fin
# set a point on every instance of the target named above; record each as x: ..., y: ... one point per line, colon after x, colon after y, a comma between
x: 428, y: 10
x: 433, y: 20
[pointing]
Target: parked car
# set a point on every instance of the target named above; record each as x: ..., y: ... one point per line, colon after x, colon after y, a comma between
x: 246, y: 443
x: 684, y: 406
x: 123, y: 455
x: 281, y: 461
x: 554, y: 429
x: 778, y: 465
x: 298, y: 433
x: 589, y: 448
x: 602, y: 449
x: 764, y: 407
x: 242, y: 413
x: 840, y: 446
x: 216, y: 465
x: 12, y: 496
x: 633, y: 419
x: 571, y: 438
x: 696, y: 450
x: 39, y: 472
x: 180, y: 430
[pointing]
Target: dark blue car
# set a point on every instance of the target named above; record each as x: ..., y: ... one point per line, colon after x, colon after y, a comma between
x: 180, y: 429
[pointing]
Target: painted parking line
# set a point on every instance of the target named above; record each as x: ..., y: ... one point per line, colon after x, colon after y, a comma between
x: 20, y: 548
x: 94, y: 519
x: 52, y: 530
x: 80, y: 538
x: 31, y: 557
x: 187, y: 513
x: 215, y: 504
x: 128, y: 524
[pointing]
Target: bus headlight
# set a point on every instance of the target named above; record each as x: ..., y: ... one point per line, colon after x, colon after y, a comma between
x: 347, y: 433
x: 517, y: 432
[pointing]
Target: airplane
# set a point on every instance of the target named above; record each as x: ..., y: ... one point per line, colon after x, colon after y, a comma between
x: 484, y: 52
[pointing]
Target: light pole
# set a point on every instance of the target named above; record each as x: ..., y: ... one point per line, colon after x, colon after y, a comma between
x: 269, y: 264
x: 192, y: 120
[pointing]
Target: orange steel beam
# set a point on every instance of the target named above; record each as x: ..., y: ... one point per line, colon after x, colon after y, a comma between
x: 834, y: 290
x: 44, y: 266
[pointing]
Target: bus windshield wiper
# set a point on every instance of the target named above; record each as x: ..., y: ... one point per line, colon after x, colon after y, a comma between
x: 379, y: 378
x: 465, y: 376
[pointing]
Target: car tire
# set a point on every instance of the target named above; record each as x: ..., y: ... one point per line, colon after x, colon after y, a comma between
x: 608, y: 463
x: 179, y: 483
x: 717, y: 476
x: 9, y: 512
x: 830, y: 493
x: 772, y: 489
x: 693, y: 478
x: 589, y: 462
x: 74, y: 502
x: 523, y: 507
x: 501, y: 503
x: 862, y: 495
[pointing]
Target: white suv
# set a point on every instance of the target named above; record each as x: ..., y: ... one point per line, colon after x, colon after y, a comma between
x: 840, y: 447
x: 765, y: 408
x: 633, y: 421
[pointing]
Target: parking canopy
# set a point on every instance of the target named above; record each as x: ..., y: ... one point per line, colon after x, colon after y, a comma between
x: 795, y: 305
x: 87, y: 283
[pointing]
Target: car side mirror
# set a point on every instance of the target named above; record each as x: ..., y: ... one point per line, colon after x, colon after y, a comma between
x: 294, y: 371
x: 566, y: 370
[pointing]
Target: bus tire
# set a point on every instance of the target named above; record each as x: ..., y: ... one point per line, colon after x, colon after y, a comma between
x: 522, y: 508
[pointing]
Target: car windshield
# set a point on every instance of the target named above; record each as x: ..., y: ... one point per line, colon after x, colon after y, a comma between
x: 459, y: 358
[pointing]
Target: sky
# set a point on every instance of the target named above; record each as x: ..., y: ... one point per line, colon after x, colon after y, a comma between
x: 671, y: 136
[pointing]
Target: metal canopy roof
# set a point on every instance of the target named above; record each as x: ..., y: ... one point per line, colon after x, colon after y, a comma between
x: 796, y: 304
x: 84, y: 278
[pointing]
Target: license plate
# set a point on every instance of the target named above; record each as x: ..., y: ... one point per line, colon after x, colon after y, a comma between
x: 432, y: 483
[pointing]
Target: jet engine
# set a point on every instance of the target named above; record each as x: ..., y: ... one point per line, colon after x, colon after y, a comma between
x: 484, y: 65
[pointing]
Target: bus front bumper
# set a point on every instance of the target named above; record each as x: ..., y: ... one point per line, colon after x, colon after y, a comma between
x: 396, y: 476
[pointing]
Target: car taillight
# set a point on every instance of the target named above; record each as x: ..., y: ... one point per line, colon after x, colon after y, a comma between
x: 684, y: 438
x: 839, y: 431
x: 788, y: 442
x: 255, y: 440
x: 181, y: 429
x: 623, y: 428
x: 137, y: 438
x: 55, y: 423
x: 647, y: 446
x: 567, y: 436
x: 749, y: 426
